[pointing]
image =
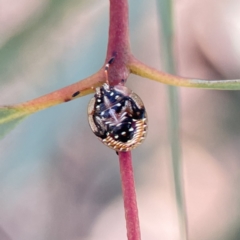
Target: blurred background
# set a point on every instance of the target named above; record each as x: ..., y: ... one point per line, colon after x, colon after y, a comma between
x: 58, y: 182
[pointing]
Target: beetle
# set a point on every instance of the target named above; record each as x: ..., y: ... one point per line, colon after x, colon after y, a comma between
x: 117, y: 116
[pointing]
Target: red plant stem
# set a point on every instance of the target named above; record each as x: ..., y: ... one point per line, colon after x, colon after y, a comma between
x: 118, y: 41
x: 129, y: 196
x: 119, y: 48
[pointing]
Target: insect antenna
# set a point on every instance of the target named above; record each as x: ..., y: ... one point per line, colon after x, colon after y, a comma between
x: 107, y: 67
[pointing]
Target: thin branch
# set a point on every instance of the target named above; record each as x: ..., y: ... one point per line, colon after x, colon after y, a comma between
x: 119, y: 48
x: 66, y: 94
x: 118, y: 42
x: 129, y: 196
x: 141, y: 69
x: 76, y: 90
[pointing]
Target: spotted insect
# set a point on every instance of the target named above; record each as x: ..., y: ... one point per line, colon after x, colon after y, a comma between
x: 117, y: 117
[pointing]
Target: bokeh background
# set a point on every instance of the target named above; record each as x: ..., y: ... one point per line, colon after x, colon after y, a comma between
x: 58, y: 182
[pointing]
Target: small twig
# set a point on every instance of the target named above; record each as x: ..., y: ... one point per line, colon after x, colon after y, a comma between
x: 119, y: 48
x: 143, y: 70
x: 118, y: 42
x: 129, y: 196
x: 66, y: 94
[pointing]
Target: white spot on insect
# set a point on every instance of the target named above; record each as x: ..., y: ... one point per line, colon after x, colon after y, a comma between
x: 97, y: 106
x: 117, y: 96
x: 112, y: 93
x: 123, y: 133
x: 116, y: 136
x: 99, y: 100
x: 131, y: 129
x: 119, y: 104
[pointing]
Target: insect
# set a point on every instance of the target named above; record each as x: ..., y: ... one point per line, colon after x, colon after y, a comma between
x: 117, y: 117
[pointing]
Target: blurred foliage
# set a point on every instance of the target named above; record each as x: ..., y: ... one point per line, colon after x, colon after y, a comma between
x: 58, y: 182
x: 12, y: 117
x: 35, y: 29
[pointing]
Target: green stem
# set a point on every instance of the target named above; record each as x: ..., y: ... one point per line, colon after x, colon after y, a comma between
x: 166, y: 18
x: 143, y: 70
x: 177, y: 165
